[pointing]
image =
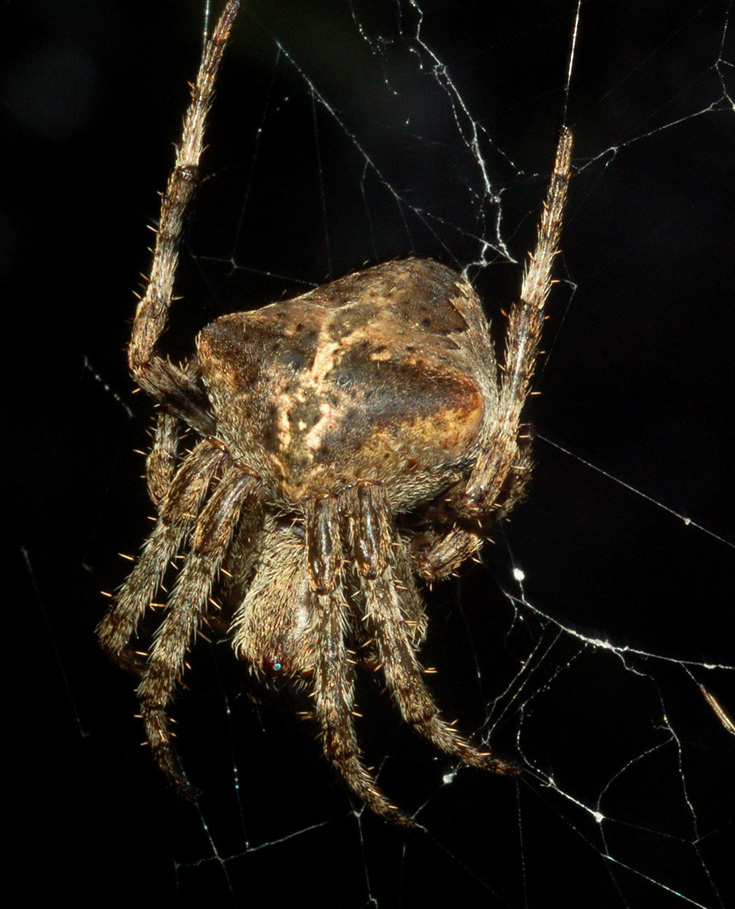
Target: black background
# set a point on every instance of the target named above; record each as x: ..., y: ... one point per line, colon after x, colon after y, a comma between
x: 638, y: 381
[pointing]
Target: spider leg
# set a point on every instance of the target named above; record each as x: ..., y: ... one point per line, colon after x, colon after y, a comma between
x: 177, y: 513
x: 333, y: 672
x: 499, y: 471
x: 161, y: 461
x: 166, y: 383
x: 386, y: 582
x: 210, y: 542
x: 436, y: 556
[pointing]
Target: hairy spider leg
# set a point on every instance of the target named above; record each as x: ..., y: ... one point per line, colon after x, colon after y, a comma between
x: 387, y: 584
x: 165, y: 382
x: 497, y: 479
x: 334, y: 669
x: 178, y: 513
x: 436, y: 555
x: 186, y: 607
x: 160, y: 463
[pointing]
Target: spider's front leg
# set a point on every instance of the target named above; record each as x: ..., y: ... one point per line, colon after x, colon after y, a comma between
x: 334, y: 668
x: 177, y: 388
x: 499, y: 476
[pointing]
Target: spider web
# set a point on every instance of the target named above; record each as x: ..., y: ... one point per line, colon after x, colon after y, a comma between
x: 593, y: 641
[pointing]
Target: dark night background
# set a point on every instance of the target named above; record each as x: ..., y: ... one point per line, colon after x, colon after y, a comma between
x: 638, y: 381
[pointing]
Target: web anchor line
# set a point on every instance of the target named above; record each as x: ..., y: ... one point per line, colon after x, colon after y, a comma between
x: 609, y: 476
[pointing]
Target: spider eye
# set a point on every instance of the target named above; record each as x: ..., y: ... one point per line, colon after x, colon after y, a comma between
x: 274, y: 666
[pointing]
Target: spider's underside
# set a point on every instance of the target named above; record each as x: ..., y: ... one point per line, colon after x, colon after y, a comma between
x: 350, y: 440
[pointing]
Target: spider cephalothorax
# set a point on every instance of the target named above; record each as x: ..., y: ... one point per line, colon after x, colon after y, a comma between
x: 350, y: 440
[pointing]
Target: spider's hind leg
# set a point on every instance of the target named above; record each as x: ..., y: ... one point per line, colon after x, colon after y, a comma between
x: 390, y: 595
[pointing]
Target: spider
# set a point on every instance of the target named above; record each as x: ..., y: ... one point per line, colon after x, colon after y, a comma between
x: 348, y: 442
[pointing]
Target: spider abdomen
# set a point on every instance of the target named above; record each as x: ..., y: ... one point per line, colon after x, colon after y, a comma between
x: 374, y: 376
